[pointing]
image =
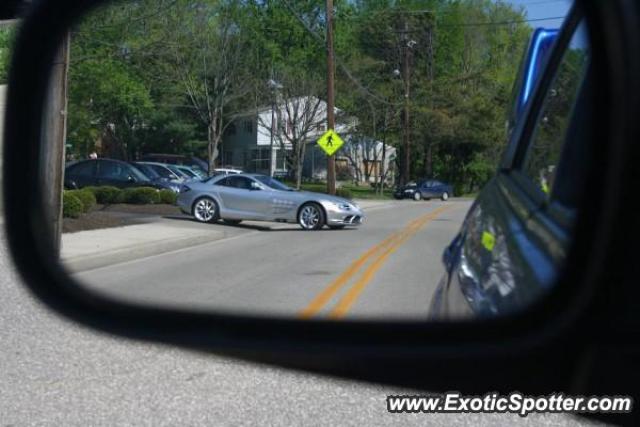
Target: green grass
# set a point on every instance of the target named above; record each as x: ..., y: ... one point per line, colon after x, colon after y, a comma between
x: 472, y: 195
x: 357, y: 192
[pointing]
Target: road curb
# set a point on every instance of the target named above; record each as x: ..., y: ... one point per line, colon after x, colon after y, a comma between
x: 95, y: 260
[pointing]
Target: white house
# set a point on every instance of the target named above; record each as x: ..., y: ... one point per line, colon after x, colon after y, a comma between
x: 365, y: 160
x: 250, y: 144
x: 254, y: 141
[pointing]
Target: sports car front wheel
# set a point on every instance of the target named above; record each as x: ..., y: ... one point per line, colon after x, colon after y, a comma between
x: 311, y: 217
x: 205, y: 209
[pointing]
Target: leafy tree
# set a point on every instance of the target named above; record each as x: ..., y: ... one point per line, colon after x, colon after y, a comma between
x: 171, y: 75
x: 106, y: 100
x: 6, y: 41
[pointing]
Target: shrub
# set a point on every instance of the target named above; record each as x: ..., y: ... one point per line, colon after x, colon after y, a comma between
x: 141, y: 196
x: 71, y: 205
x: 106, y: 195
x: 459, y: 188
x: 167, y: 196
x: 86, y: 197
x: 344, y: 192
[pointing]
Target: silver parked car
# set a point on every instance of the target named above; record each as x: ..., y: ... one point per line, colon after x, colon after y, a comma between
x: 253, y: 197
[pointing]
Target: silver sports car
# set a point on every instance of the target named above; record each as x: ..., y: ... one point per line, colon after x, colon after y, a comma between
x: 253, y: 197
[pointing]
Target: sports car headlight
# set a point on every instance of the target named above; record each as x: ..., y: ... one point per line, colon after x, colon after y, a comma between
x: 344, y: 206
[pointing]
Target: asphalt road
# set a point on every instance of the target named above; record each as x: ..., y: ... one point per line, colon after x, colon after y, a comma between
x: 55, y: 373
x: 387, y: 268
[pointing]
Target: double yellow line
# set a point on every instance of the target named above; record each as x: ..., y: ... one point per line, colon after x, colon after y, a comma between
x: 383, y: 250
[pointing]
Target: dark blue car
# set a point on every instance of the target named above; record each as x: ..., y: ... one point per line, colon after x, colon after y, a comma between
x: 110, y: 172
x: 424, y: 190
x: 514, y: 239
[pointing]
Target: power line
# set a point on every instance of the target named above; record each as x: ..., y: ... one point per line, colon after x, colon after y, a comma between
x: 340, y: 63
x: 496, y: 23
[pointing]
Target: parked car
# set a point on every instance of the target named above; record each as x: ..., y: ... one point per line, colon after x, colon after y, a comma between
x: 516, y: 234
x: 116, y: 173
x: 426, y: 189
x: 192, y: 173
x: 176, y: 159
x: 162, y: 170
x: 154, y: 174
x: 226, y: 171
x: 238, y: 197
x: 148, y: 171
x: 184, y: 176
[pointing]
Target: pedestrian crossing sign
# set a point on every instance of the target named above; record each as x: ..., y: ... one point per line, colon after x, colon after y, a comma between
x: 330, y: 142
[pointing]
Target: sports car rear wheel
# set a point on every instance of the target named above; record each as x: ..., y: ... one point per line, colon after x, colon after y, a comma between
x: 205, y: 209
x: 311, y: 217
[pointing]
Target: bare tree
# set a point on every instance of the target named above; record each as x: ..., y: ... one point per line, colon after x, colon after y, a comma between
x: 353, y: 154
x: 300, y: 117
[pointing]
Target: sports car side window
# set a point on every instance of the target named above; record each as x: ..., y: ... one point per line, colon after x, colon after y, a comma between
x: 554, y: 119
x: 239, y: 182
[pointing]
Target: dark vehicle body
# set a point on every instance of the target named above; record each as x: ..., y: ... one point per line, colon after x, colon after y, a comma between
x: 424, y: 190
x: 515, y: 236
x: 109, y: 172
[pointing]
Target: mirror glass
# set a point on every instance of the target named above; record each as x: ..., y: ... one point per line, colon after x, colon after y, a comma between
x: 176, y: 110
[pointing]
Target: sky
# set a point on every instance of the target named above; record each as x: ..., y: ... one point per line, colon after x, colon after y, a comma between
x: 538, y: 9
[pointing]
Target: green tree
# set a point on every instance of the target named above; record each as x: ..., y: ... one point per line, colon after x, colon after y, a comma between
x: 6, y: 42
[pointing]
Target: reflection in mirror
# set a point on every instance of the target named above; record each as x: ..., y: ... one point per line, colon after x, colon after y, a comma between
x: 7, y: 30
x: 178, y: 109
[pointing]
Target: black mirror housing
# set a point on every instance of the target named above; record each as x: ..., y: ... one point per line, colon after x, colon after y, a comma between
x: 541, y: 348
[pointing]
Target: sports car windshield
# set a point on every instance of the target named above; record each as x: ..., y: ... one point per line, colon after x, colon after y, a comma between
x: 273, y: 183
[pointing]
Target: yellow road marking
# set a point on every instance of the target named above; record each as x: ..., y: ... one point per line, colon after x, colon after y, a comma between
x: 390, y: 242
x: 354, y: 293
x: 323, y: 297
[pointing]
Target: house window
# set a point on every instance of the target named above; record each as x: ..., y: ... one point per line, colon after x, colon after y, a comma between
x: 281, y: 160
x: 227, y: 158
x: 231, y: 129
x: 248, y: 126
x: 260, y: 159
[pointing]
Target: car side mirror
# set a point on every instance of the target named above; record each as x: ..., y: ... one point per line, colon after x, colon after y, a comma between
x: 130, y: 178
x: 548, y: 342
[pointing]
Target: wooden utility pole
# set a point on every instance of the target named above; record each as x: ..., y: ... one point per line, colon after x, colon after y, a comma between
x: 331, y: 120
x: 53, y: 143
x: 429, y: 159
x: 406, y: 125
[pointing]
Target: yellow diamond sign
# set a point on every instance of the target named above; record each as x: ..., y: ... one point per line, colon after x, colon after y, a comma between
x: 330, y: 142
